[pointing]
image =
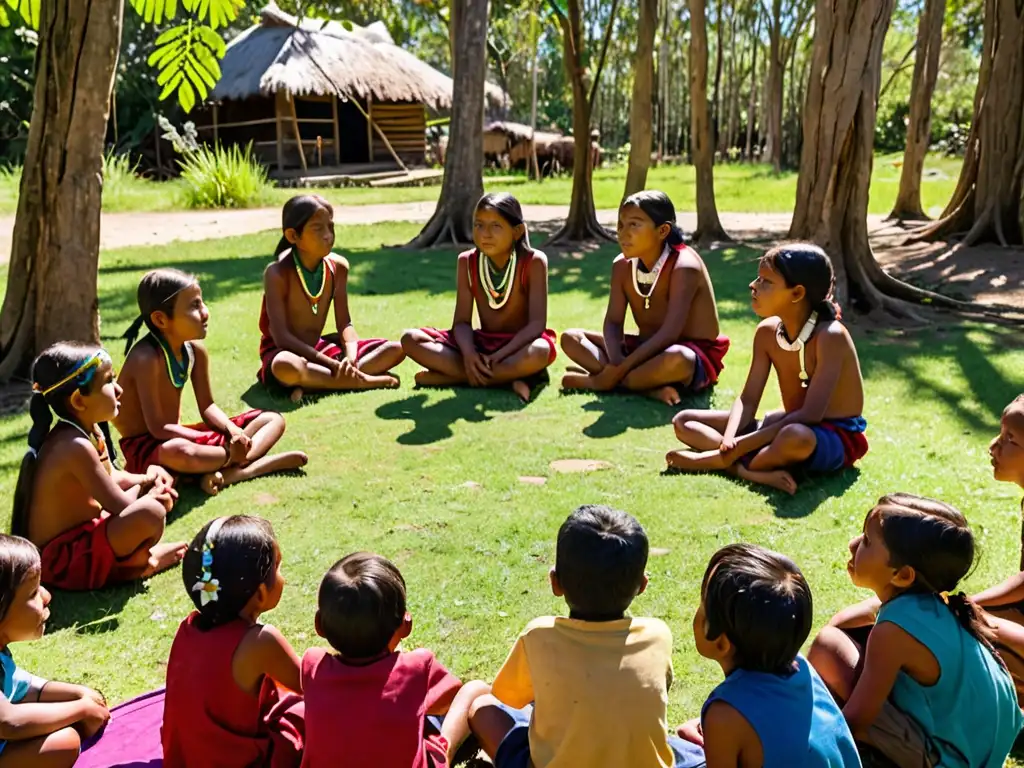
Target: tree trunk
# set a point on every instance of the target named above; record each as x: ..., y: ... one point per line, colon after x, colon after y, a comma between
x: 835, y: 163
x: 773, y: 95
x: 582, y: 223
x: 462, y: 185
x: 51, y: 288
x: 752, y: 106
x: 709, y: 227
x: 640, y: 110
x: 926, y: 72
x: 987, y: 202
x: 716, y: 114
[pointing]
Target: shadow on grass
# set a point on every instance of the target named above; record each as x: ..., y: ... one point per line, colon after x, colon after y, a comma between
x: 433, y: 422
x: 91, y: 613
x: 619, y: 412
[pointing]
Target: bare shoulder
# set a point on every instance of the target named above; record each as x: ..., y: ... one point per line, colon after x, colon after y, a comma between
x: 199, y: 350
x: 141, y: 357
x: 689, y: 259
x: 69, y: 445
x: 538, y: 257
x: 835, y: 336
x: 339, y: 261
x: 766, y: 330
x: 274, y: 273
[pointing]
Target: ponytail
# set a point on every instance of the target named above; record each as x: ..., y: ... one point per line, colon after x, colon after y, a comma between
x: 969, y: 615
x: 132, y: 333
x: 282, y: 245
x: 42, y: 418
x: 676, y: 239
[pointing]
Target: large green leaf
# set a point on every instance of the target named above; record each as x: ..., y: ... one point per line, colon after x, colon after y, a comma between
x: 186, y: 60
x: 155, y: 11
x: 28, y: 10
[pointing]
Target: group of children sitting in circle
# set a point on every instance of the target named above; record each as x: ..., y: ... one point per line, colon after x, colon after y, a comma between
x: 920, y: 675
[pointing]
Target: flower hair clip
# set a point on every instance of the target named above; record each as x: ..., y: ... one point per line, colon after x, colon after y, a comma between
x: 207, y: 586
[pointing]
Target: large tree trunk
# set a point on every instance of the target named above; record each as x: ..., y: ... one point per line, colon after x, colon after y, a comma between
x: 640, y: 109
x: 582, y: 223
x: 51, y: 288
x: 709, y: 227
x: 716, y: 112
x: 752, y: 106
x: 773, y: 95
x: 462, y: 185
x: 926, y: 72
x: 835, y: 163
x: 987, y: 202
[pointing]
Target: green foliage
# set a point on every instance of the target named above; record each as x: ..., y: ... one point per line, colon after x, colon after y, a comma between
x: 219, y: 177
x: 28, y: 10
x: 186, y: 57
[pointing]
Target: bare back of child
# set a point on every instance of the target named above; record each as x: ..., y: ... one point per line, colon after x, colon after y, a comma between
x: 820, y: 426
x: 94, y: 524
x: 221, y: 451
x: 666, y: 288
x: 507, y: 282
x: 299, y: 287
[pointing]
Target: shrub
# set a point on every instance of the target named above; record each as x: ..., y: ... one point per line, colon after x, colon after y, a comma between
x: 219, y: 177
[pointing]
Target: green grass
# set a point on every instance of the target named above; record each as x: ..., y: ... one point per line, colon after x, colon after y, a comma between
x: 738, y: 188
x: 388, y: 469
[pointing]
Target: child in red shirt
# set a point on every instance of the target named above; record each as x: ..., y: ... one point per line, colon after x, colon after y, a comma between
x: 228, y: 701
x: 367, y: 703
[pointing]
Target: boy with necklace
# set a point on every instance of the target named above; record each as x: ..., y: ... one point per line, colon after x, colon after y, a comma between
x: 507, y: 281
x: 668, y: 290
x: 298, y: 288
x: 820, y: 428
x: 221, y: 451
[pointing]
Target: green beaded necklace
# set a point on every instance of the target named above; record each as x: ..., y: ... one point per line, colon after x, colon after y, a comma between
x: 311, y: 277
x: 178, y: 372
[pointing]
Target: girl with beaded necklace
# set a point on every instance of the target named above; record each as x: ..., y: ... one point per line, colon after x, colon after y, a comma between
x: 507, y: 281
x: 94, y: 524
x: 298, y: 288
x: 820, y: 427
x: 667, y: 289
x: 221, y: 451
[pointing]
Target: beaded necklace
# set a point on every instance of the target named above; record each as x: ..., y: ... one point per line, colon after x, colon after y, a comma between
x: 497, y: 295
x: 648, y: 278
x: 97, y: 440
x: 799, y: 344
x: 310, y: 277
x: 177, y: 372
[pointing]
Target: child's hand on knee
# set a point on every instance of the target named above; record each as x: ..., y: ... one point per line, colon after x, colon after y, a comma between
x: 692, y: 732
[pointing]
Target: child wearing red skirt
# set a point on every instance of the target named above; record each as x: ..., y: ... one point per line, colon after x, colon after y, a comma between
x: 298, y: 289
x: 232, y: 683
x: 507, y: 281
x: 221, y: 451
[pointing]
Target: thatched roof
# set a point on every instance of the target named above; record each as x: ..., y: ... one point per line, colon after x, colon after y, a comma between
x: 314, y: 57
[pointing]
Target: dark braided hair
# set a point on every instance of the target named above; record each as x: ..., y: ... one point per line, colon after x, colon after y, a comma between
x: 933, y: 538
x: 157, y: 291
x: 54, y: 364
x: 808, y: 265
x: 244, y: 553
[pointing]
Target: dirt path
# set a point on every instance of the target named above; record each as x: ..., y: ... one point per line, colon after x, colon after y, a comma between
x: 122, y: 230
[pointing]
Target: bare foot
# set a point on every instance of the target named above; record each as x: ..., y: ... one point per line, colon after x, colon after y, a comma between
x: 521, y: 388
x: 573, y: 381
x: 164, y: 556
x: 211, y: 483
x: 776, y: 478
x: 265, y: 465
x: 667, y: 395
x: 695, y: 461
x: 296, y: 395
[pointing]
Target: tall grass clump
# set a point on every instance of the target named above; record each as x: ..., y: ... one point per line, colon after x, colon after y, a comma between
x: 217, y: 176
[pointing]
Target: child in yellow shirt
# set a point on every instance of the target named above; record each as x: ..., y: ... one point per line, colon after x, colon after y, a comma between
x: 590, y: 689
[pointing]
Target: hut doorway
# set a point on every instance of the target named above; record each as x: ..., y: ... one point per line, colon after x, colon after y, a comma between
x: 354, y: 145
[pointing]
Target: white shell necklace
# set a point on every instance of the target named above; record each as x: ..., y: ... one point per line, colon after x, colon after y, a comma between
x: 497, y: 295
x: 648, y: 278
x: 799, y: 344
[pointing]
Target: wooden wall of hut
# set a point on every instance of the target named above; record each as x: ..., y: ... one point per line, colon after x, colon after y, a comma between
x: 405, y: 125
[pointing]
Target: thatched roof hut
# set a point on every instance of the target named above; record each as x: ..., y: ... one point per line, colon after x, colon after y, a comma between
x: 287, y: 84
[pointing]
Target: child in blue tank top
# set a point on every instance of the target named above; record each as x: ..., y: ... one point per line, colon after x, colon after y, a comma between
x: 928, y: 688
x: 772, y: 710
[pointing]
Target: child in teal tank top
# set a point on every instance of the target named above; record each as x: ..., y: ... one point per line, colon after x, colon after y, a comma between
x: 928, y: 688
x: 772, y: 710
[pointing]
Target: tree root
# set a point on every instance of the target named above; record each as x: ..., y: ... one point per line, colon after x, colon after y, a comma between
x: 576, y: 232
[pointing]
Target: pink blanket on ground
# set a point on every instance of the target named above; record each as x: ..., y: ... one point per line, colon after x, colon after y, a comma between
x: 131, y: 738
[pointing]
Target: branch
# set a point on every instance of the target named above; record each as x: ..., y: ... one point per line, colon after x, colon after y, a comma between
x: 790, y: 40
x: 899, y: 68
x: 600, y: 61
x: 557, y: 10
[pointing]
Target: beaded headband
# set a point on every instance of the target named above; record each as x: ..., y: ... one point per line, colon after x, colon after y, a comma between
x: 207, y: 586
x: 82, y: 373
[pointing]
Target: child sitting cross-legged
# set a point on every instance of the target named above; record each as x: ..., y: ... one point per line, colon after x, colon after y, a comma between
x: 232, y: 682
x: 41, y: 722
x: 772, y: 709
x: 590, y: 689
x: 367, y: 703
x: 926, y: 687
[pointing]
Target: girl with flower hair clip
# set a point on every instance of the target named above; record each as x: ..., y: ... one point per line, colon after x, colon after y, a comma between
x: 93, y: 523
x: 232, y: 683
